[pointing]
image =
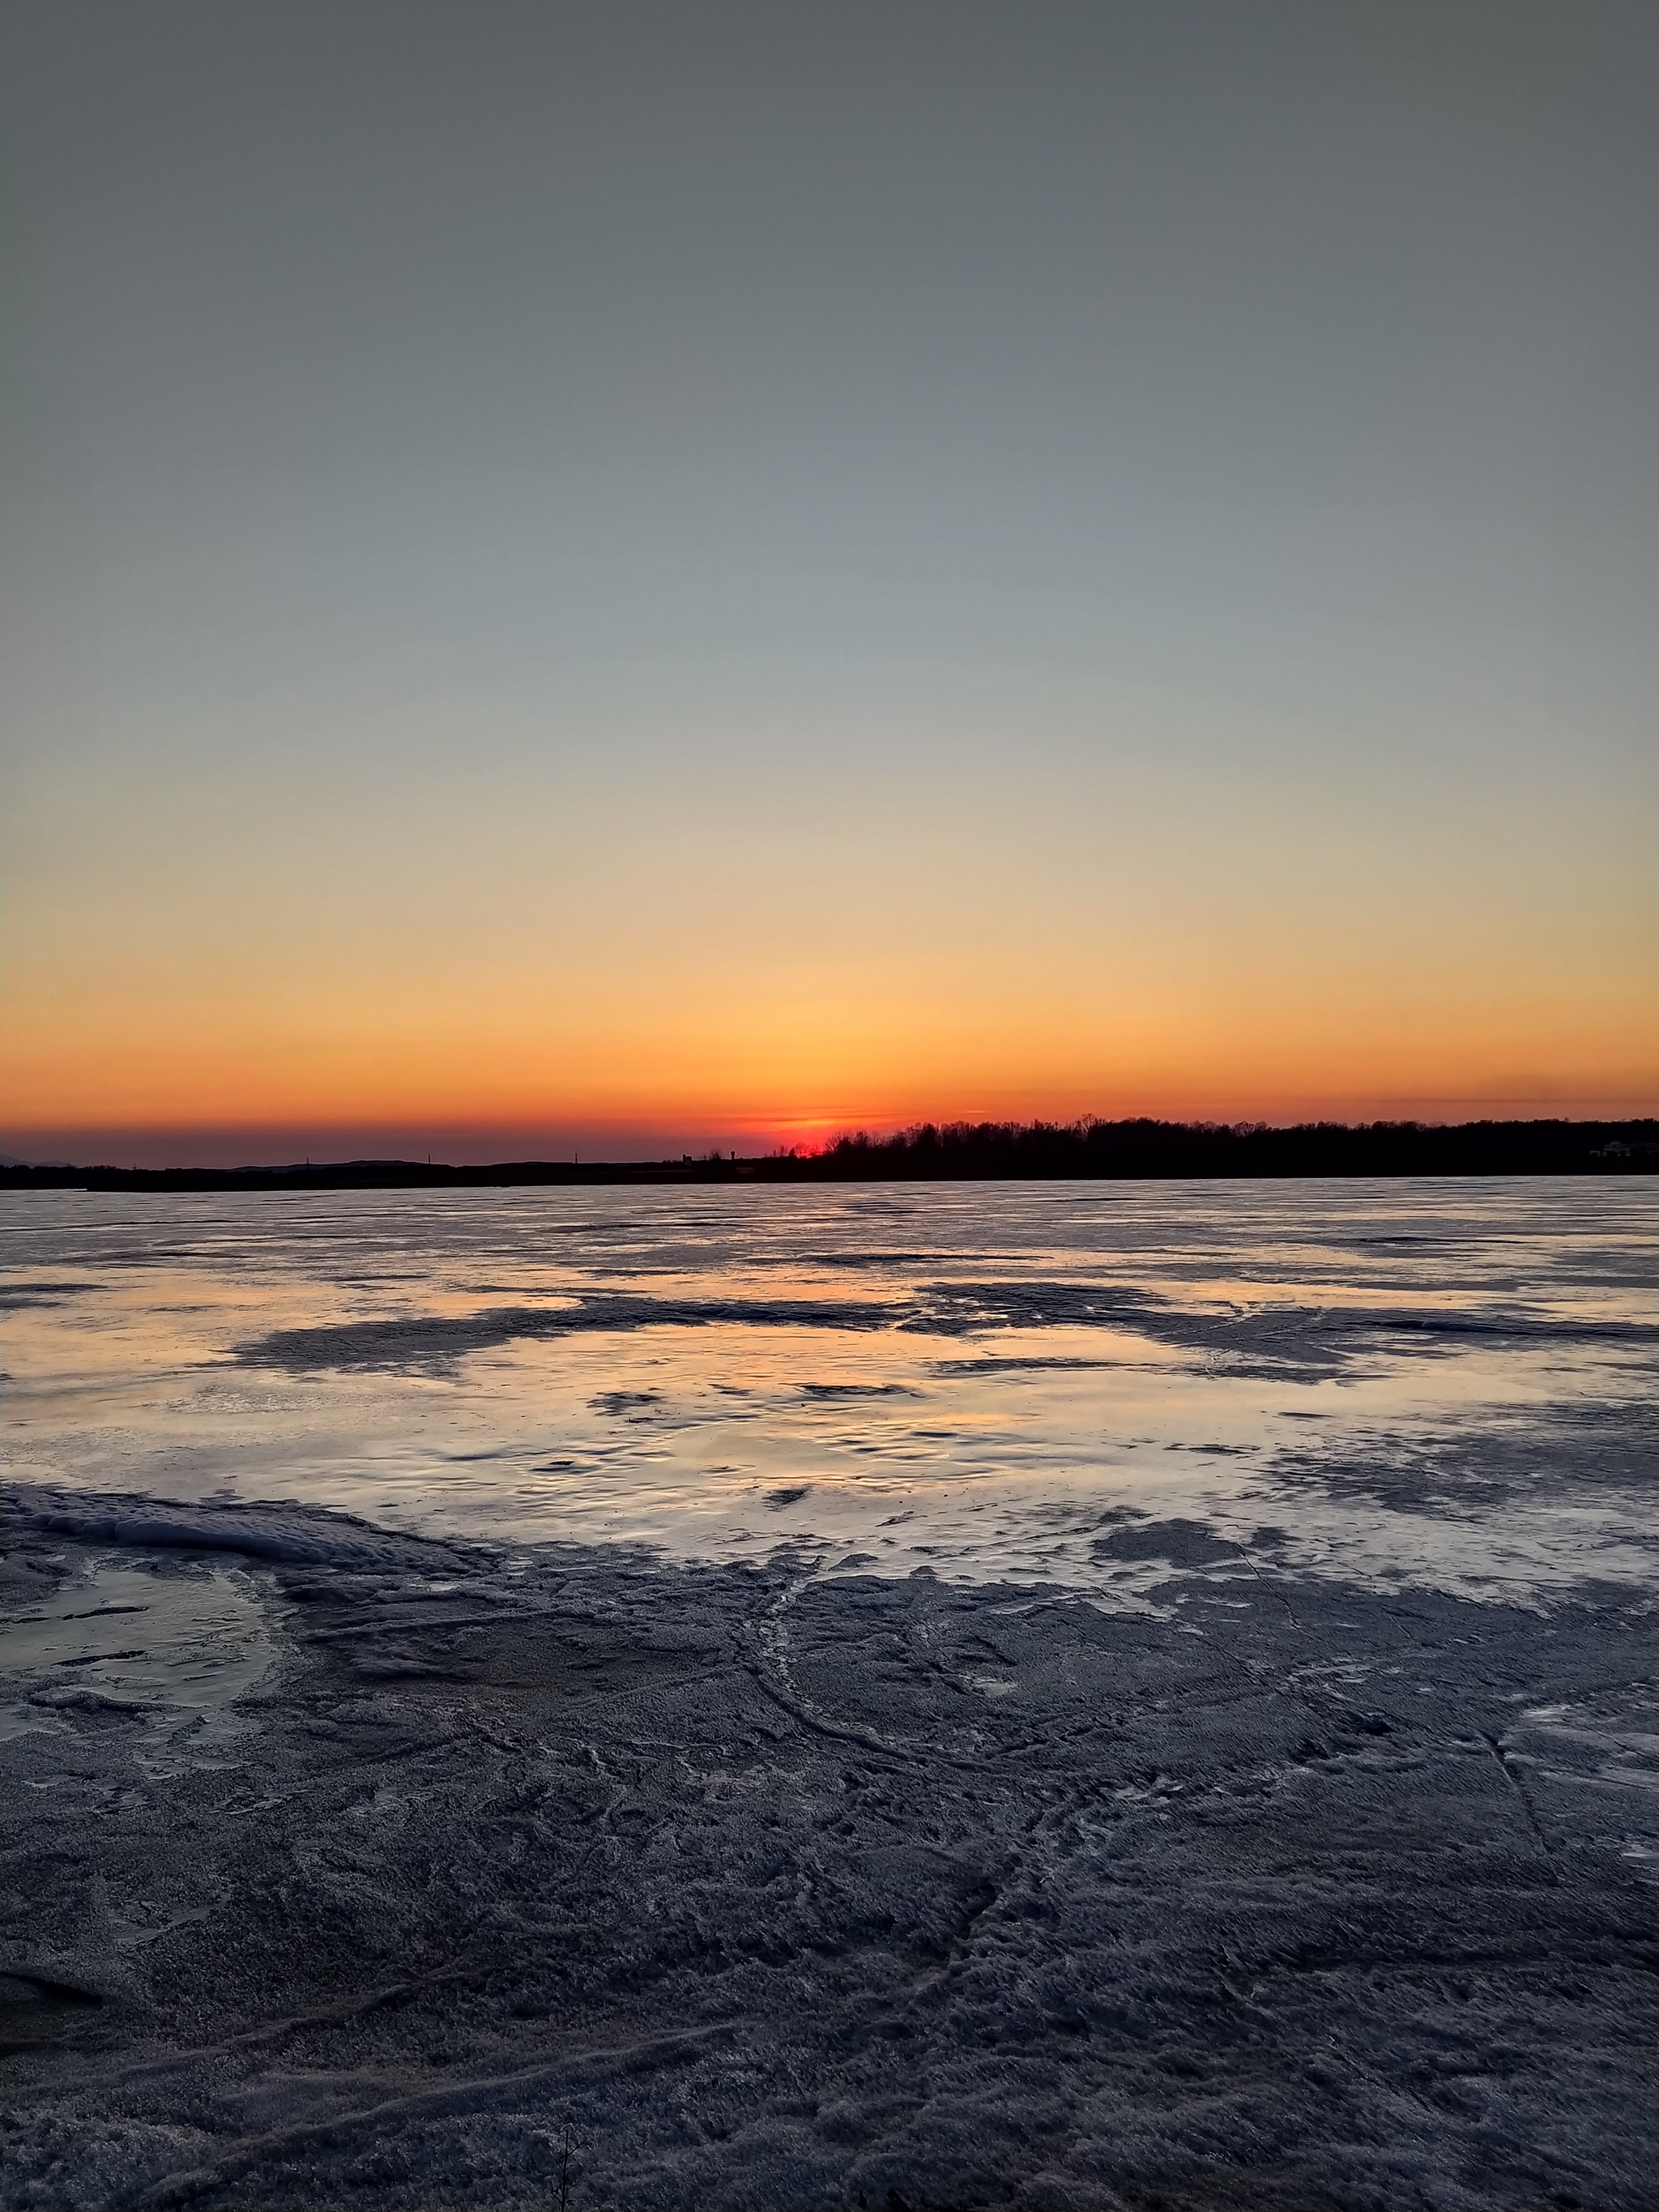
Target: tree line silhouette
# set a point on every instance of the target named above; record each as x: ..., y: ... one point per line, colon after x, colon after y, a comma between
x: 1144, y: 1147
x: 933, y: 1152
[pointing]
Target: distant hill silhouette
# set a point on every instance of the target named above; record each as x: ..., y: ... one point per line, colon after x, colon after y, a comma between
x: 988, y: 1151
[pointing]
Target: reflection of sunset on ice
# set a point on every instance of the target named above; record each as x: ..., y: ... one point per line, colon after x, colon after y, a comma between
x: 962, y: 1376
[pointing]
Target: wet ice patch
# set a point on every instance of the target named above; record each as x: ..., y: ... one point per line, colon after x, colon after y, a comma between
x: 125, y: 1641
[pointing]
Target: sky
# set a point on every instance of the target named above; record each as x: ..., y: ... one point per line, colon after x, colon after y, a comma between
x: 616, y: 577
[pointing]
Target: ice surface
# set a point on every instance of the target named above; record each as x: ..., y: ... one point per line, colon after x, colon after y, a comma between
x: 780, y: 1888
x: 1064, y: 1697
x: 968, y: 1377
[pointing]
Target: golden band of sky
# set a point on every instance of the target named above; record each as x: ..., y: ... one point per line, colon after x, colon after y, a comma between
x: 648, y: 966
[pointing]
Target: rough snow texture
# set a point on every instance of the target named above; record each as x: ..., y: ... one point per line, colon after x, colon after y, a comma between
x: 790, y: 1886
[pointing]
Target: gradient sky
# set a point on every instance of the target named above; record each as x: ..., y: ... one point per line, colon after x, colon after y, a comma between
x: 623, y: 575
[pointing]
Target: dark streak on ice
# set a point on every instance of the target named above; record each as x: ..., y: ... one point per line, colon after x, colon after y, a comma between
x: 439, y: 1340
x: 1288, y: 1341
x: 827, y: 1391
x: 312, y: 1536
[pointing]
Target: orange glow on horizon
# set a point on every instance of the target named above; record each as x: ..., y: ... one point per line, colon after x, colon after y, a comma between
x: 475, y: 1081
x: 755, y: 980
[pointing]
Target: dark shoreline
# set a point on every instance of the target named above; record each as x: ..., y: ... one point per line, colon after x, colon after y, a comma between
x: 984, y: 1152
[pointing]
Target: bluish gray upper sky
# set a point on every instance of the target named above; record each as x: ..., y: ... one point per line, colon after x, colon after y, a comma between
x: 956, y: 448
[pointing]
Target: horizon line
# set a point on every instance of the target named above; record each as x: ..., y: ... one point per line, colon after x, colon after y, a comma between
x: 957, y: 1133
